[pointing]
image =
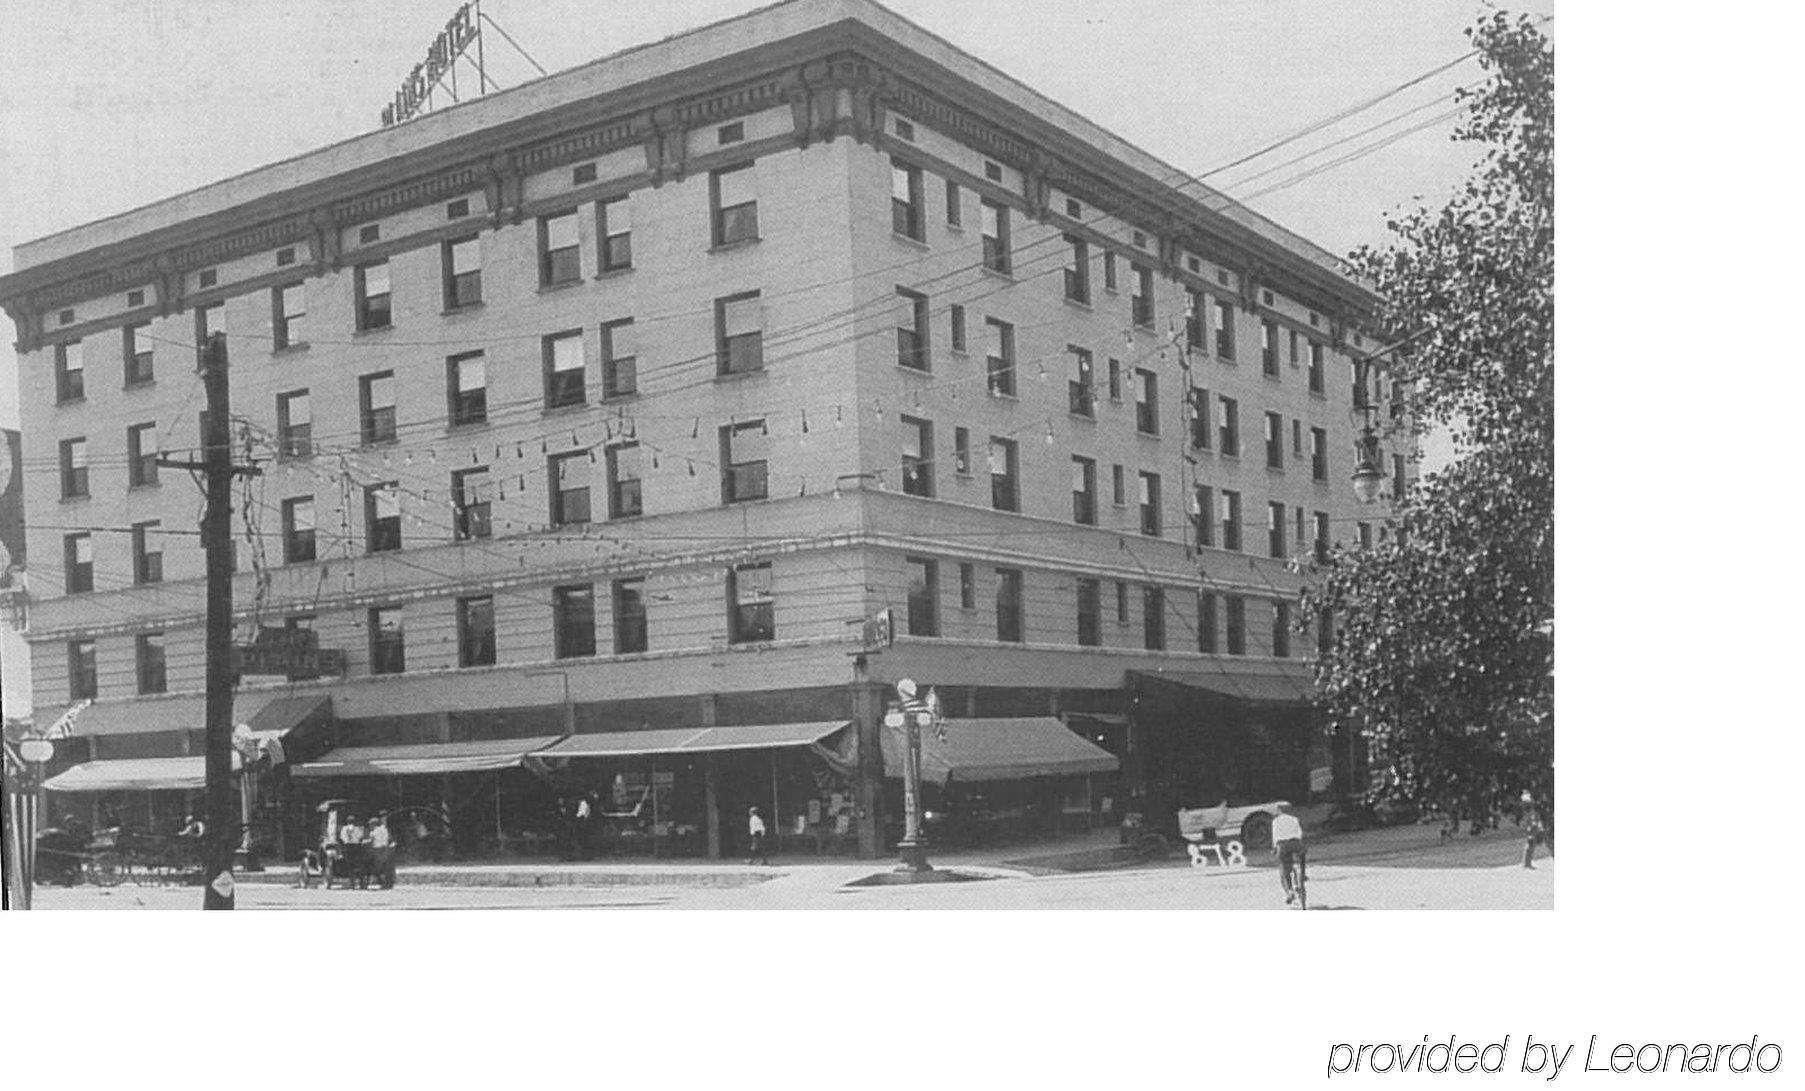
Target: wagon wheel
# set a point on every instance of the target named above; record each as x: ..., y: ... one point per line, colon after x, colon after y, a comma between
x: 104, y: 869
x: 1256, y: 831
x: 1153, y: 846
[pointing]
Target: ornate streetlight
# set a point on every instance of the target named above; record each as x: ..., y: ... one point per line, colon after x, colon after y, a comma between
x: 914, y: 716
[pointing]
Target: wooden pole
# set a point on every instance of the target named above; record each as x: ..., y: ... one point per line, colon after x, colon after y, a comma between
x: 216, y: 537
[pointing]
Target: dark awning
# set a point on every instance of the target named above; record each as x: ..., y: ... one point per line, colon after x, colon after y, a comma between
x: 134, y: 775
x: 1000, y: 749
x: 692, y: 740
x: 265, y: 712
x: 1294, y: 690
x: 423, y: 758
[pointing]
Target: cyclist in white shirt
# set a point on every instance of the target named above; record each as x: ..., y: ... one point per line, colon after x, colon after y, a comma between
x: 1288, y: 844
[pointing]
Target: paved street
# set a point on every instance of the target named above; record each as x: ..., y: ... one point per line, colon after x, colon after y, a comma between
x: 1405, y: 868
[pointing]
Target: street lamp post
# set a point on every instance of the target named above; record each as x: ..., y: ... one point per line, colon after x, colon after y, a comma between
x: 912, y: 716
x: 36, y: 750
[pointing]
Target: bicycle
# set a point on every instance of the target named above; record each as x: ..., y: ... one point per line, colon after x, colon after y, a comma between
x: 1292, y: 872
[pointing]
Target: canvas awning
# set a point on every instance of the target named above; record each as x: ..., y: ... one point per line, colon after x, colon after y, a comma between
x: 1000, y: 749
x: 1293, y: 690
x: 134, y: 775
x: 266, y: 713
x: 692, y: 740
x: 422, y: 758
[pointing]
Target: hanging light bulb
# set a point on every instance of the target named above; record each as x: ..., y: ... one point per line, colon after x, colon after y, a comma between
x: 520, y: 483
x: 543, y: 449
x: 519, y: 451
x: 592, y: 456
x: 695, y: 428
x: 839, y: 418
x: 762, y: 430
x: 805, y: 422
x: 654, y: 458
x: 692, y: 468
x: 432, y: 454
x: 1049, y: 432
x: 1041, y: 364
x: 574, y: 442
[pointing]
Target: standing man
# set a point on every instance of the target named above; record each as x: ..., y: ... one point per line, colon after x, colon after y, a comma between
x: 1288, y: 842
x: 755, y: 831
x: 1535, y: 830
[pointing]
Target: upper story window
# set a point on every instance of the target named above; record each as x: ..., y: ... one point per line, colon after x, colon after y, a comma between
x: 388, y: 641
x: 906, y: 217
x: 140, y: 366
x: 1236, y: 609
x: 955, y: 212
x: 69, y: 376
x: 1009, y: 605
x: 1000, y: 355
x: 614, y: 229
x: 1198, y: 410
x: 288, y: 307
x: 84, y: 678
x: 147, y: 552
x: 1316, y: 367
x: 1228, y: 426
x: 625, y: 496
x: 1142, y: 300
x: 1225, y: 330
x: 468, y: 388
x: 141, y: 454
x: 294, y: 424
x: 560, y: 250
x: 1322, y: 536
x: 744, y: 468
x: 382, y: 517
x: 72, y: 462
x: 153, y: 671
x: 1203, y: 514
x: 476, y: 631
x: 1109, y: 271
x: 565, y: 369
x: 207, y: 322
x: 1151, y: 523
x: 471, y: 497
x: 568, y: 476
x: 463, y: 268
x: 1078, y: 270
x: 298, y: 542
x: 1146, y: 402
x: 1269, y: 348
x: 630, y: 629
x: 1275, y: 529
x: 1005, y: 475
x: 78, y: 563
x: 962, y: 451
x: 1153, y: 618
x: 1319, y: 454
x: 1118, y: 485
x: 1196, y: 314
x: 1084, y: 490
x: 996, y: 236
x: 1081, y: 387
x: 912, y: 330
x: 733, y: 200
x: 923, y: 596
x: 376, y: 395
x: 1090, y: 613
x: 957, y: 321
x: 917, y: 456
x: 1231, y: 520
x: 1281, y: 628
x: 968, y: 586
x: 739, y: 333
x: 1206, y: 622
x: 620, y: 359
x: 573, y: 621
x: 752, y: 616
x: 1275, y: 441
x: 371, y: 284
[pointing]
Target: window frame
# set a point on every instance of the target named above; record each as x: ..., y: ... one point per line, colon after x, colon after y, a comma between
x: 729, y: 347
x: 562, y: 265
x: 732, y: 225
x: 627, y: 599
x: 621, y: 505
x: 620, y: 374
x: 616, y: 247
x: 476, y: 648
x: 290, y: 441
x: 570, y: 638
x: 751, y: 621
x: 922, y: 597
x: 141, y: 465
x: 78, y: 574
x: 1005, y: 487
x: 466, y: 408
x: 151, y: 662
x: 1011, y: 591
x: 471, y: 520
x: 564, y: 388
x: 292, y: 532
x: 388, y: 653
x: 147, y: 564
x: 997, y: 257
x: 366, y: 303
x: 462, y: 290
x: 562, y: 503
x: 908, y: 215
x: 918, y: 471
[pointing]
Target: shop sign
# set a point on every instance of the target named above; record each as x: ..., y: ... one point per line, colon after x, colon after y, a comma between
x: 440, y: 56
x: 295, y: 653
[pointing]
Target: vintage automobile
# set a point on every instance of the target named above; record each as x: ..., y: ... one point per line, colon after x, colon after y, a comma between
x: 1155, y: 832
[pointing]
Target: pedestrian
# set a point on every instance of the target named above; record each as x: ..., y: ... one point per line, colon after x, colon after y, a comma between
x: 586, y: 826
x: 1288, y: 846
x: 755, y: 831
x: 1535, y: 830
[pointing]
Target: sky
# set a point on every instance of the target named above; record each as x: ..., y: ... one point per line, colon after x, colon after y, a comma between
x: 106, y: 105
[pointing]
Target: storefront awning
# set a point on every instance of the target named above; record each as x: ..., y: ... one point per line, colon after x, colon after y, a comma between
x: 692, y: 740
x: 265, y: 712
x: 1001, y: 749
x: 1294, y: 690
x: 134, y: 775
x: 423, y: 758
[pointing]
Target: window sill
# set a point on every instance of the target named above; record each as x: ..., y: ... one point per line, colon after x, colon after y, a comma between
x: 289, y: 349
x: 612, y: 274
x: 378, y: 444
x: 1274, y: 377
x: 739, y: 376
x: 563, y: 410
x: 1000, y: 274
x: 910, y: 369
x: 1229, y: 360
x: 1278, y: 470
x: 1145, y: 434
x: 76, y: 498
x: 620, y: 396
x: 464, y: 428
x: 963, y: 475
x: 139, y: 384
x: 737, y: 244
x: 560, y: 286
x: 143, y: 486
x: 61, y: 402
x: 911, y: 241
x: 461, y: 308
x: 1088, y: 418
x: 371, y: 331
x: 1081, y: 304
x: 1003, y: 395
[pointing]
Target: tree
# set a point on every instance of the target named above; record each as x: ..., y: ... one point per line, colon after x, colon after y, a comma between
x: 1445, y: 651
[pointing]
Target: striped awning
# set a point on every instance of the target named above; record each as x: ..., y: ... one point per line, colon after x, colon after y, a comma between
x: 134, y: 775
x: 419, y: 759
x: 692, y: 740
x: 1000, y: 749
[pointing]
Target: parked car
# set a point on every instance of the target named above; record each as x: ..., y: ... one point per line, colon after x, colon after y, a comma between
x: 1153, y: 824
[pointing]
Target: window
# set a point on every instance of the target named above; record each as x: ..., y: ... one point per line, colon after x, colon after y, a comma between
x: 207, y: 322
x: 1153, y: 618
x: 467, y: 386
x: 1115, y: 380
x: 1084, y: 490
x: 905, y: 201
x: 135, y: 298
x: 751, y: 614
x: 954, y: 213
x: 1004, y: 470
x: 388, y: 641
x: 968, y: 587
x: 739, y: 322
x: 463, y: 266
x: 69, y: 385
x: 1001, y: 356
x: 996, y: 236
x: 371, y: 284
x: 1281, y: 629
x: 1109, y: 270
x: 1206, y: 622
x: 1228, y: 426
x: 912, y: 329
x: 1090, y: 613
x: 1203, y: 514
x: 1269, y: 348
x: 1298, y: 533
x: 958, y: 324
x: 1319, y: 454
x: 1078, y: 270
x: 366, y: 234
x: 1118, y: 486
x: 620, y: 359
x: 141, y: 454
x: 1237, y: 624
x: 1198, y: 409
x: 78, y: 563
x: 1196, y: 311
x: 1142, y: 300
x: 905, y: 129
x: 382, y: 517
x: 962, y: 451
x: 1225, y: 330
x: 458, y: 209
x: 924, y: 597
x: 294, y: 424
x: 84, y: 682
x: 1275, y: 441
x: 1297, y: 438
x: 476, y: 631
x: 72, y: 458
x: 1121, y: 603
x: 917, y: 456
x: 730, y: 134
x: 1322, y: 536
x: 1275, y: 529
x: 1146, y: 402
x: 625, y: 498
x: 630, y: 633
x: 471, y: 496
x: 139, y: 359
x: 733, y: 198
x: 153, y: 669
x: 560, y: 250
x: 1357, y: 388
x: 1009, y: 605
x: 1316, y: 367
x: 147, y: 552
x: 297, y: 530
x: 573, y: 621
x: 745, y: 472
x: 1150, y: 502
x: 568, y: 475
x: 1231, y: 520
x: 1081, y: 387
x: 377, y: 396
x: 1296, y: 353
x: 288, y: 306
x: 564, y: 369
x: 614, y: 227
